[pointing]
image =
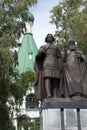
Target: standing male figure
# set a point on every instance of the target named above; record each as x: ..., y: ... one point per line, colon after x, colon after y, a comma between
x: 48, y: 69
x: 75, y: 71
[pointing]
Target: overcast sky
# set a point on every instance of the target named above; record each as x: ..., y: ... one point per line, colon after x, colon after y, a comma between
x: 41, y: 25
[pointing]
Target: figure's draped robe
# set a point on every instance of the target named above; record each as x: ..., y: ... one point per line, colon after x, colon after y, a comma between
x: 75, y: 79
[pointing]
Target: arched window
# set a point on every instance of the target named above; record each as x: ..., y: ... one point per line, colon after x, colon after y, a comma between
x: 31, y: 102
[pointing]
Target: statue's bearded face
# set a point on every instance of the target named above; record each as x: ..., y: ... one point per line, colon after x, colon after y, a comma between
x: 49, y: 38
x: 72, y: 45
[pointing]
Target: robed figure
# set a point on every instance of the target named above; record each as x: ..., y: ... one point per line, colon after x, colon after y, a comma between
x: 75, y: 71
x: 48, y: 70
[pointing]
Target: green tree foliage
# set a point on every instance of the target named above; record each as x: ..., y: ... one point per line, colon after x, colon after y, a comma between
x: 12, y: 16
x: 5, y: 121
x: 21, y: 85
x: 70, y: 18
x: 28, y: 123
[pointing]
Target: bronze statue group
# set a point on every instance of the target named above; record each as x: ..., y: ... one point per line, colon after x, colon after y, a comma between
x: 60, y: 75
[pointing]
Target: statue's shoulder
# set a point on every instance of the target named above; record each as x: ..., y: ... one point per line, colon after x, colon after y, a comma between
x: 43, y: 47
x: 78, y: 51
x: 42, y: 51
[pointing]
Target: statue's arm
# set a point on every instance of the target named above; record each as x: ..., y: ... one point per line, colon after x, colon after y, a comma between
x: 58, y: 53
x: 81, y: 56
x: 65, y: 54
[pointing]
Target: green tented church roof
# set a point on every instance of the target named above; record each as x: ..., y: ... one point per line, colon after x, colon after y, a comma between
x: 27, y: 52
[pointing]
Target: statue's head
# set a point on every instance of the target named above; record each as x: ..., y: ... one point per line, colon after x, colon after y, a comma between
x: 72, y: 45
x: 49, y: 38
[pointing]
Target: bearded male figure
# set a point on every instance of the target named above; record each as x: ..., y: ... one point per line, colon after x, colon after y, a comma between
x: 48, y: 69
x: 75, y: 71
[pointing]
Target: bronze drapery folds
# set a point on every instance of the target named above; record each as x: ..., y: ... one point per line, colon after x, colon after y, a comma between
x: 75, y: 72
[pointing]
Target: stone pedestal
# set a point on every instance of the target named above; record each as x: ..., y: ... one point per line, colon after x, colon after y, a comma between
x: 63, y: 114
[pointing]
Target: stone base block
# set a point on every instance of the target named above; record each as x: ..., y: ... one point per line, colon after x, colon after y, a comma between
x: 63, y: 114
